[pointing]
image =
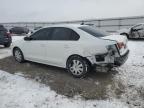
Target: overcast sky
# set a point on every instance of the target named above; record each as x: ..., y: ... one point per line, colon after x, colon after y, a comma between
x: 66, y: 10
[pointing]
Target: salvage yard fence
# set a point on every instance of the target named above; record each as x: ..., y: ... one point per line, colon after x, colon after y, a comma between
x: 108, y: 24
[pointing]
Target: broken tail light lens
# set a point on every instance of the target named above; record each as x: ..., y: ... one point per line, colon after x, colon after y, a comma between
x: 120, y: 45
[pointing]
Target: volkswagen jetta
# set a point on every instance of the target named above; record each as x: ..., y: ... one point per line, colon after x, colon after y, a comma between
x: 78, y: 48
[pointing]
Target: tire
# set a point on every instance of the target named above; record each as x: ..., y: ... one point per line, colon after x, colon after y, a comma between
x: 77, y: 66
x: 7, y: 45
x: 18, y: 55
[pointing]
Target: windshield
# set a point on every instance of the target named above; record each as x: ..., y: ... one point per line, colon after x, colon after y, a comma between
x: 94, y: 31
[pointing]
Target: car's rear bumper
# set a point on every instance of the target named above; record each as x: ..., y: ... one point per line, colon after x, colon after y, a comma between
x: 122, y: 59
x: 104, y: 67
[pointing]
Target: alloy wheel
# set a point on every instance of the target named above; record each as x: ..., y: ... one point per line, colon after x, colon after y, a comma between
x: 76, y: 67
x: 18, y: 55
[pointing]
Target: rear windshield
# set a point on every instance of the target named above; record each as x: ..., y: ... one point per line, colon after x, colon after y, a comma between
x: 94, y: 31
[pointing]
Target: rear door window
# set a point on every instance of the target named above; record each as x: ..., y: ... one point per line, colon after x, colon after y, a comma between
x: 61, y: 33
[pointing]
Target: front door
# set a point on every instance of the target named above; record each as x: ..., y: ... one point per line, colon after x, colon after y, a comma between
x: 35, y: 49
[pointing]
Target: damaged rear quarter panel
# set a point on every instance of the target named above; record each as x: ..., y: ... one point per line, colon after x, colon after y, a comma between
x: 97, y: 47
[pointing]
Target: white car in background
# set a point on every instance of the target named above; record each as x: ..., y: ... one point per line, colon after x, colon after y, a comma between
x: 78, y: 48
x: 134, y: 32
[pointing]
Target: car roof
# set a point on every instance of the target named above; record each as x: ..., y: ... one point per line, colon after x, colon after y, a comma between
x: 66, y: 25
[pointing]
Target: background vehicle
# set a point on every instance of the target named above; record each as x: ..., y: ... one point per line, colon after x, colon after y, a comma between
x: 19, y: 30
x: 75, y: 47
x: 37, y: 28
x: 5, y: 38
x: 136, y: 31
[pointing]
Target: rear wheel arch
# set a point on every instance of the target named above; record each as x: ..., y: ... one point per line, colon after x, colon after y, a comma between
x: 78, y: 56
x: 83, y: 63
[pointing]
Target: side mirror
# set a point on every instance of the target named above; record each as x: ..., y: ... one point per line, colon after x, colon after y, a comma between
x: 27, y: 38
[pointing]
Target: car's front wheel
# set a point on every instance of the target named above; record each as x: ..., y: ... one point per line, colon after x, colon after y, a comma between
x: 18, y: 55
x: 78, y: 66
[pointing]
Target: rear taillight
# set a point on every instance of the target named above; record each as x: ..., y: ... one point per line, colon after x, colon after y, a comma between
x: 120, y: 45
x: 8, y: 35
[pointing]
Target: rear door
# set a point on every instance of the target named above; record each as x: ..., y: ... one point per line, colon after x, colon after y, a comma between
x: 58, y: 48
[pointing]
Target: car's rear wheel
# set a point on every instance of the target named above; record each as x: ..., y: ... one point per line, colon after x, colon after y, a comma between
x: 18, y: 55
x: 78, y: 66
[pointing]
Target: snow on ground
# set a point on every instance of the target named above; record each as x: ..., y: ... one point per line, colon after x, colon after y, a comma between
x: 5, y: 52
x: 133, y: 69
x: 132, y: 74
x: 19, y: 92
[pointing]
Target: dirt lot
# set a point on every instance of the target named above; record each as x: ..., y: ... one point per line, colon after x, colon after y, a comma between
x: 94, y: 86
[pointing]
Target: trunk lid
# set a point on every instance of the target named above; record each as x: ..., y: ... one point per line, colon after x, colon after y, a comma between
x: 121, y: 40
x: 118, y: 38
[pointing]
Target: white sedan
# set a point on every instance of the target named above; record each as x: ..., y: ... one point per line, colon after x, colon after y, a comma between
x: 78, y: 48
